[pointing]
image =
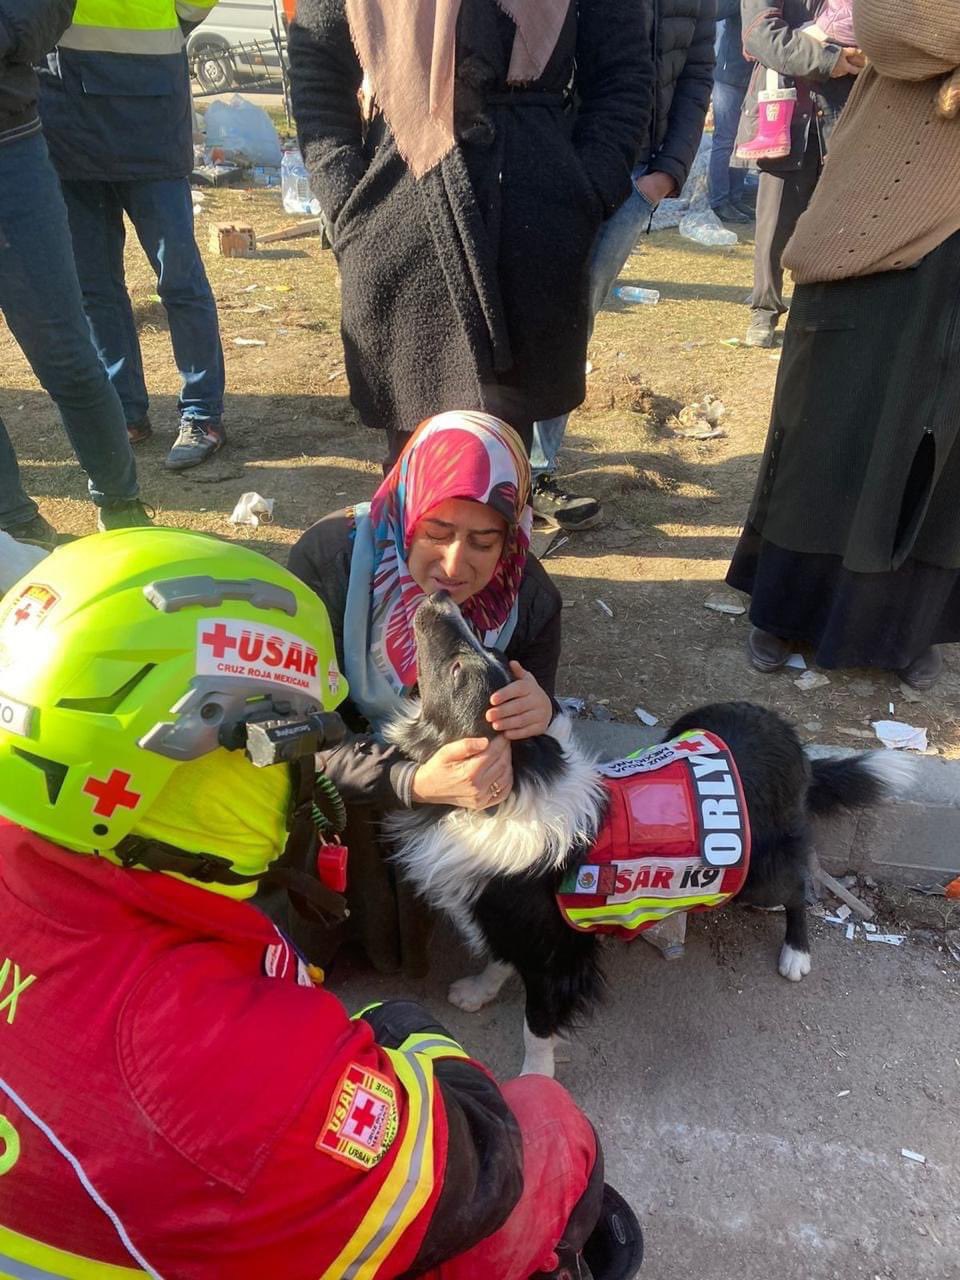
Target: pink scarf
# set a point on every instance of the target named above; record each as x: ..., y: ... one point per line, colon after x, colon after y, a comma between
x: 453, y: 455
x: 408, y: 49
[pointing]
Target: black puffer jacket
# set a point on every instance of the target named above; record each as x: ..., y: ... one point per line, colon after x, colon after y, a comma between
x: 682, y: 35
x: 28, y: 31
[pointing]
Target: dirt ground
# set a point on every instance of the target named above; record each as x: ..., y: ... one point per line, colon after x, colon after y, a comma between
x: 673, y: 504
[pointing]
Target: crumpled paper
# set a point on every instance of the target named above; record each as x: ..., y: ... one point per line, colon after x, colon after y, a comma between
x: 897, y: 736
x: 252, y: 509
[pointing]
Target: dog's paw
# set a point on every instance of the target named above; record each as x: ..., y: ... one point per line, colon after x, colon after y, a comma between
x: 471, y: 994
x: 794, y: 965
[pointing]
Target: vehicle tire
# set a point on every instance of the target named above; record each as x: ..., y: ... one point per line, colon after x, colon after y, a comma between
x: 211, y: 65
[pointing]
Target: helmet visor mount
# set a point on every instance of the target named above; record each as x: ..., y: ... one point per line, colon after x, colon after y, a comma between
x: 237, y: 714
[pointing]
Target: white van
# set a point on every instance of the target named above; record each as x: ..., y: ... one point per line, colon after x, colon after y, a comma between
x: 235, y: 45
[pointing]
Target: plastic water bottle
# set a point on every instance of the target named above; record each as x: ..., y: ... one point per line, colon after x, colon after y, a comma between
x: 628, y: 293
x: 295, y: 185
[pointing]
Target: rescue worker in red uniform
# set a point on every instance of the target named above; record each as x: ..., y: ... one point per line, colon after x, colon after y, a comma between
x: 177, y: 1096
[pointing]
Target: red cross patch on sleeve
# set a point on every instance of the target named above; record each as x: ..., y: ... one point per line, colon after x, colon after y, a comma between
x: 363, y: 1120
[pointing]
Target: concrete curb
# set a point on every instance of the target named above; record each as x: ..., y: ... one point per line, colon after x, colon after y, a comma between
x: 915, y: 840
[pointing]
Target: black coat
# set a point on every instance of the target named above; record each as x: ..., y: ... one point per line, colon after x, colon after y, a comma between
x: 771, y: 37
x: 468, y: 288
x: 28, y: 30
x: 682, y: 34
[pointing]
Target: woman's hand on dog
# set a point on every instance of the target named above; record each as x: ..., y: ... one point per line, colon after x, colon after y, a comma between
x: 520, y: 709
x: 471, y: 774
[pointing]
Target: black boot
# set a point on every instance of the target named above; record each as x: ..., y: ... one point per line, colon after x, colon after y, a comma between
x: 613, y: 1251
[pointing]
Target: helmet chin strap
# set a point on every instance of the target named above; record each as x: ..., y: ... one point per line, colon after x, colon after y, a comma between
x: 294, y: 870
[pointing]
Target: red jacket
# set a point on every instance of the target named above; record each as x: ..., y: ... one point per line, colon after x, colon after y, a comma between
x: 172, y: 1100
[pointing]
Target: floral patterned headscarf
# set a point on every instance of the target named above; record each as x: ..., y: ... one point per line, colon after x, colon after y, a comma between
x: 465, y: 455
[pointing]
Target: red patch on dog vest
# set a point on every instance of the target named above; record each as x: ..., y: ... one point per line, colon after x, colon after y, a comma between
x: 676, y: 837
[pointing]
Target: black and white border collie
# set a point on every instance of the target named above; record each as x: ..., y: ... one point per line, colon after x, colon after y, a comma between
x: 496, y: 871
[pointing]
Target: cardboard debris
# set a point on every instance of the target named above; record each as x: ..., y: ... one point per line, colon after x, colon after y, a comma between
x: 249, y: 342
x: 645, y: 717
x: 252, y: 509
x: 797, y: 661
x: 232, y: 241
x: 913, y: 1155
x: 891, y: 939
x: 897, y: 736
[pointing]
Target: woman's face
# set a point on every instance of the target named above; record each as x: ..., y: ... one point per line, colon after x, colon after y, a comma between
x: 456, y: 548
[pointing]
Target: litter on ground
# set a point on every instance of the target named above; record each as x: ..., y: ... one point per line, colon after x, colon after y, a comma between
x: 897, y: 736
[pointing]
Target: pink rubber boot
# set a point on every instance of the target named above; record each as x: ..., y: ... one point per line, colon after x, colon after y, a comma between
x: 775, y: 113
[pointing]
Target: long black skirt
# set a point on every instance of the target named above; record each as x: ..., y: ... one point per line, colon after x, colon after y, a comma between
x: 852, y: 541
x: 880, y: 620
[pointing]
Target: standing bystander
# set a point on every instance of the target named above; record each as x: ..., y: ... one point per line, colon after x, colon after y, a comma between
x: 681, y: 34
x: 824, y: 72
x: 39, y: 294
x: 116, y: 107
x: 852, y: 543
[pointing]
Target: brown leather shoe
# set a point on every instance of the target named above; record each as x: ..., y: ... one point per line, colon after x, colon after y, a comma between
x: 140, y: 430
x: 767, y: 652
x: 925, y: 670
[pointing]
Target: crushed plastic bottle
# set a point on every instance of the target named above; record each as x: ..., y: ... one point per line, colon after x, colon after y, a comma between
x: 628, y: 293
x: 295, y: 184
x: 704, y: 227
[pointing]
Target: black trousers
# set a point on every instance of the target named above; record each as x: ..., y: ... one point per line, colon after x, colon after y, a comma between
x: 780, y: 201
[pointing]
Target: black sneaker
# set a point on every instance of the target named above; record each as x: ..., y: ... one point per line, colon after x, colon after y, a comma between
x: 727, y: 211
x: 125, y: 515
x: 763, y: 326
x: 198, y: 440
x: 37, y: 531
x: 552, y: 505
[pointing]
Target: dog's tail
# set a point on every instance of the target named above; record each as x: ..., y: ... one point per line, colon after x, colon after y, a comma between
x: 856, y: 782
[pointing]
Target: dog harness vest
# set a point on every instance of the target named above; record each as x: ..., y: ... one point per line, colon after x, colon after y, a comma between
x: 675, y: 837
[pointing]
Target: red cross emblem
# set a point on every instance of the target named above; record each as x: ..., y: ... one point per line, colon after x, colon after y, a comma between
x: 21, y: 615
x: 219, y: 640
x: 112, y: 794
x: 364, y: 1117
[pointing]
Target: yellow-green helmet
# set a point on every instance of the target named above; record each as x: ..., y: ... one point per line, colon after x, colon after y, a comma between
x: 128, y: 654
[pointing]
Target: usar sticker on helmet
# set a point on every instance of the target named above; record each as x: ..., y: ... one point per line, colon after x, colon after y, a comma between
x: 228, y: 647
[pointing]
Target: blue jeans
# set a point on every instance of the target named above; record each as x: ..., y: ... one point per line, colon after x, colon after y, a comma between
x: 41, y: 303
x: 162, y: 215
x: 725, y: 183
x: 615, y: 242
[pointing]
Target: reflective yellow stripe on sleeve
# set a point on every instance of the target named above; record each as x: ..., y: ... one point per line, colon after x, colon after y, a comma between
x: 433, y: 1046
x: 22, y: 1258
x: 407, y: 1187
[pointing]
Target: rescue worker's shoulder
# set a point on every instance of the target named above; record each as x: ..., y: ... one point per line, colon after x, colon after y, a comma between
x: 222, y: 1063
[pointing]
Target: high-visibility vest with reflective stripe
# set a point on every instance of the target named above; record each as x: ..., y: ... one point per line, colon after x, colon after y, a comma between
x: 675, y: 837
x: 132, y: 26
x: 290, y: 1128
x: 22, y: 1258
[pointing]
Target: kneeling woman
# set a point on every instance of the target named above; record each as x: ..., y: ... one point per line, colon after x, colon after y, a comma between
x: 452, y: 515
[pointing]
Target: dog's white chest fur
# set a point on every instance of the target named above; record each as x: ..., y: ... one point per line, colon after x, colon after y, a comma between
x: 450, y: 858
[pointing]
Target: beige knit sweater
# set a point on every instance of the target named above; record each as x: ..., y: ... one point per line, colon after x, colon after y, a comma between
x: 890, y: 190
